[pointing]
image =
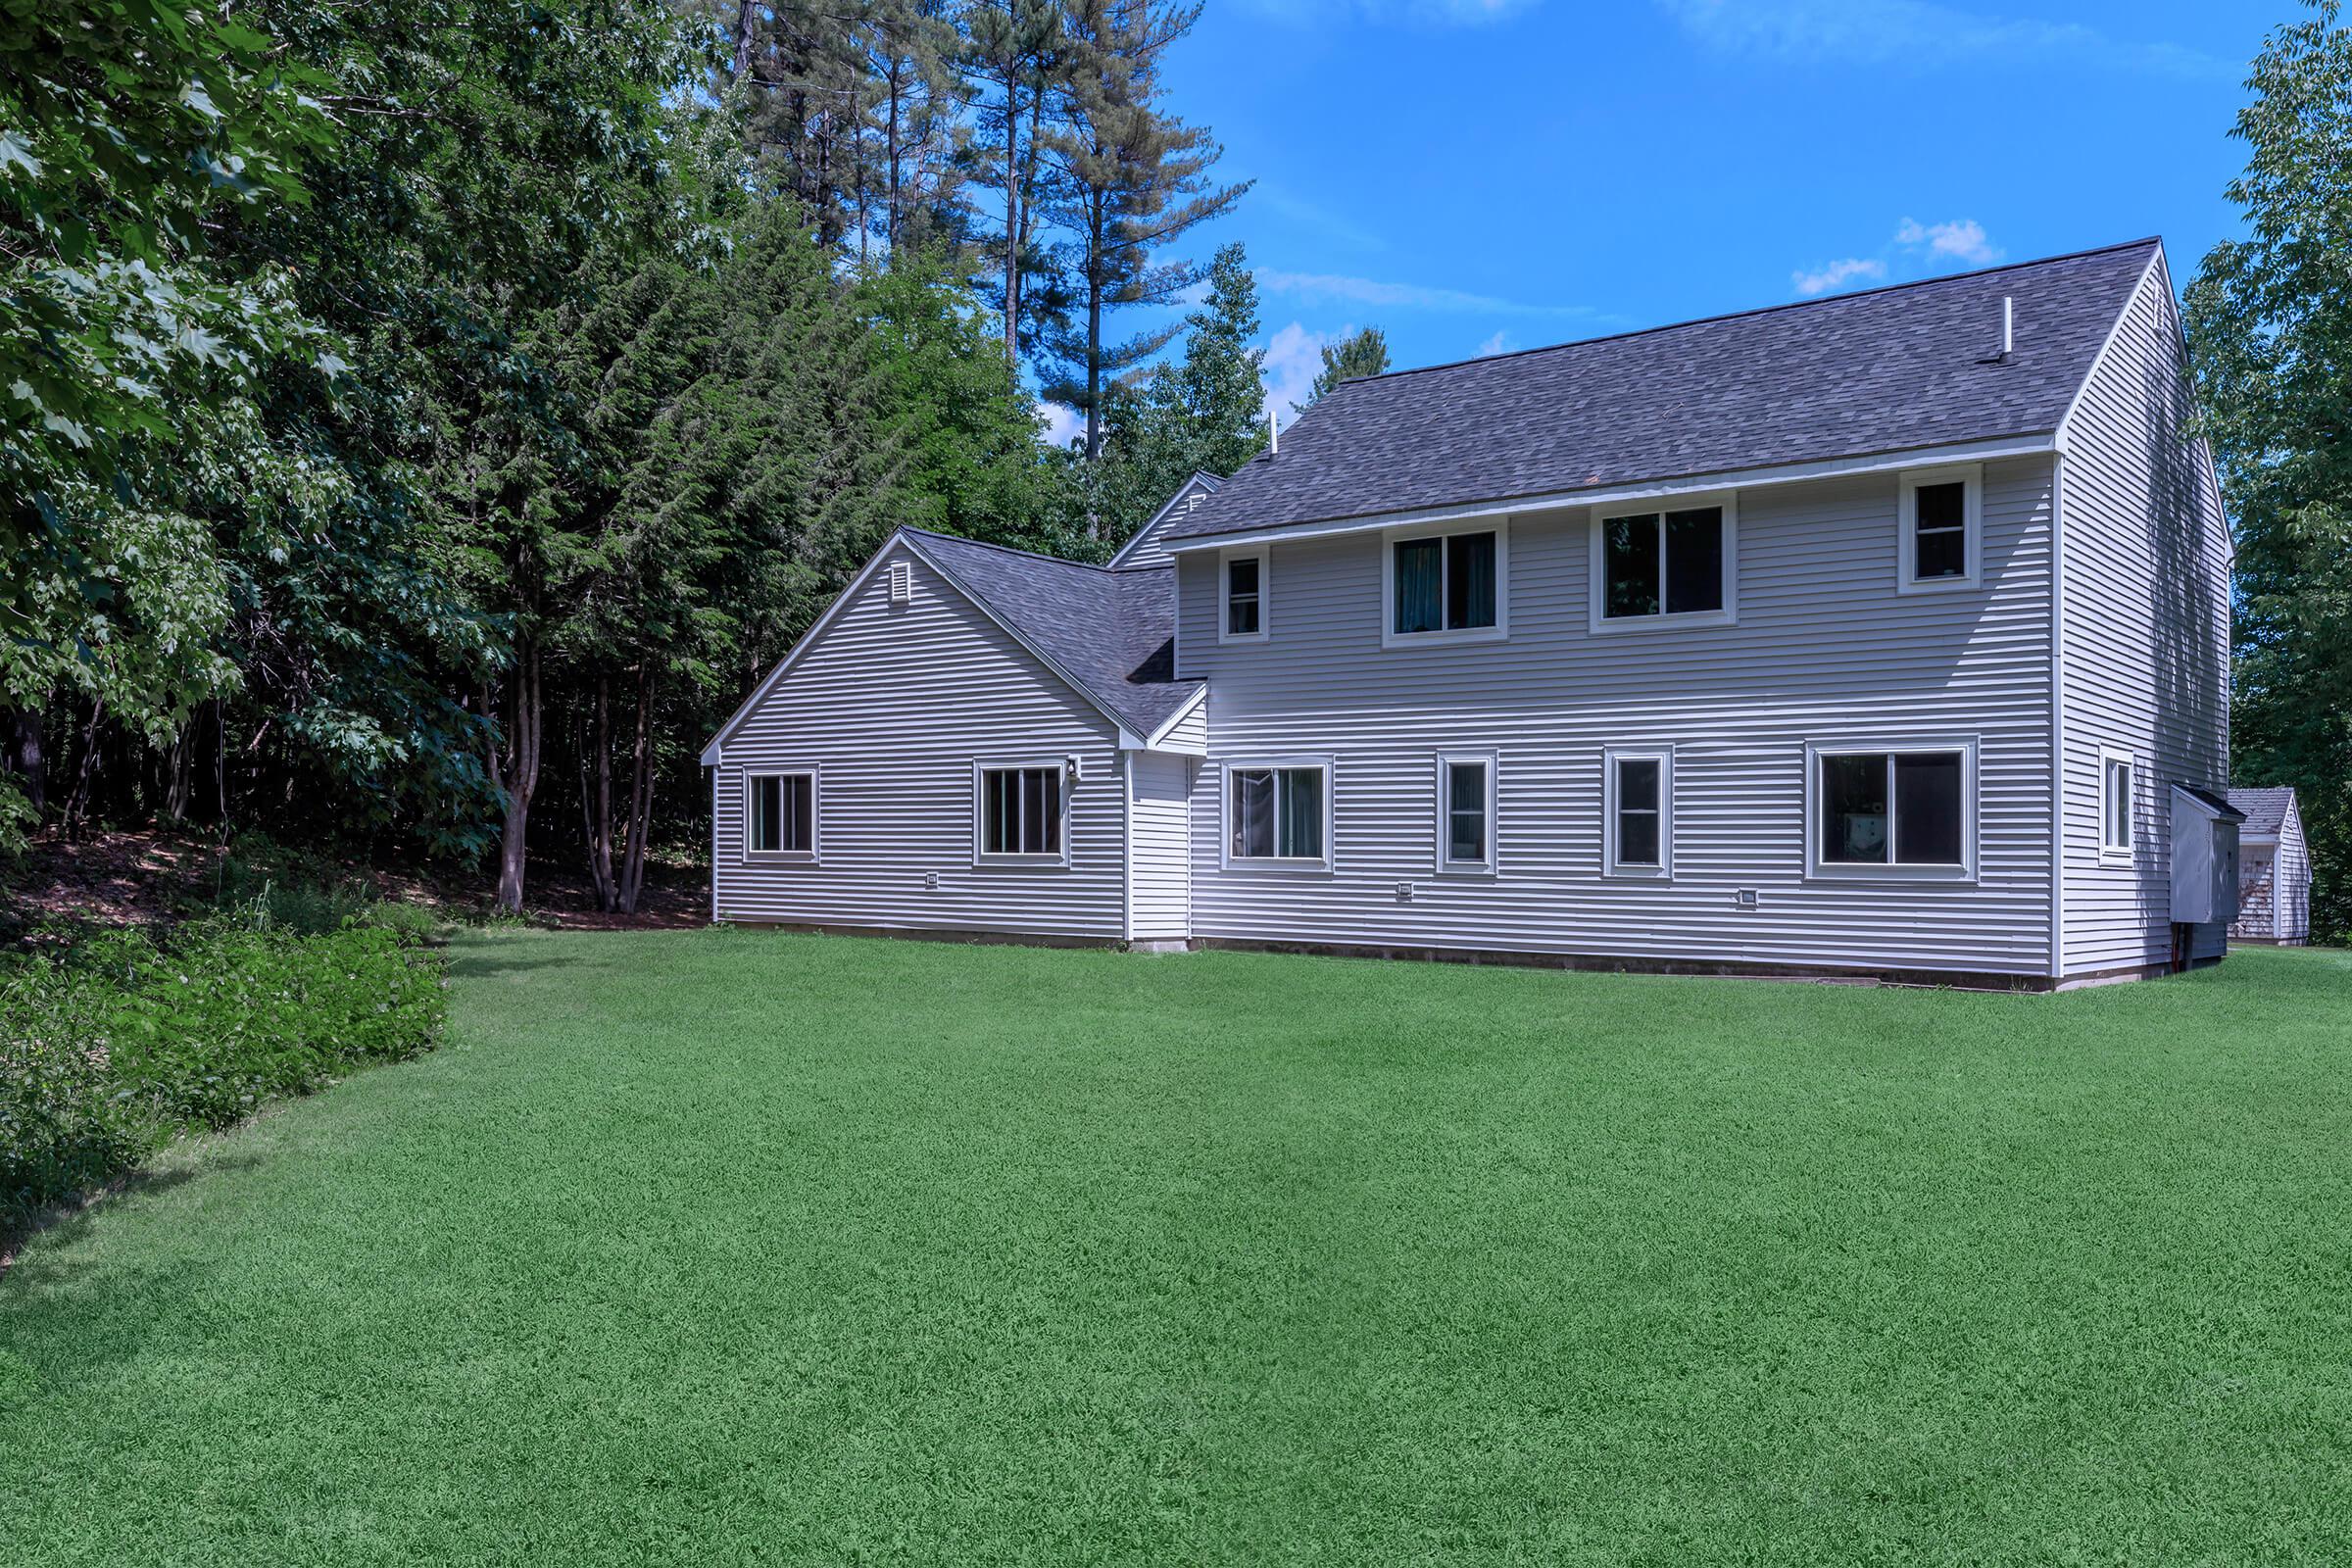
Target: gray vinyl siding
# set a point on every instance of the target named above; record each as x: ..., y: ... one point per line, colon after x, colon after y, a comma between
x: 1191, y: 733
x: 1825, y: 650
x: 894, y: 706
x: 1147, y: 547
x: 1158, y: 830
x: 2294, y: 879
x: 2145, y: 612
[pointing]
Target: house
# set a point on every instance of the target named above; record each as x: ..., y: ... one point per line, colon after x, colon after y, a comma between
x: 1877, y: 635
x: 2273, y: 872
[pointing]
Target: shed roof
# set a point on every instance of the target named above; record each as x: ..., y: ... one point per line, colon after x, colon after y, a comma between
x: 1112, y: 632
x: 1911, y: 367
x: 2265, y: 809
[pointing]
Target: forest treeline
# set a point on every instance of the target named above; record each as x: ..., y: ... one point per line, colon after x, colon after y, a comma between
x: 423, y: 423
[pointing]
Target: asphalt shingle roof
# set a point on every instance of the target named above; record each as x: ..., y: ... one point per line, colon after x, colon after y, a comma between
x: 2265, y: 809
x: 1885, y: 370
x: 1113, y: 631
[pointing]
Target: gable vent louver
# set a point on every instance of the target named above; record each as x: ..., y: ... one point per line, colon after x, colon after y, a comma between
x: 902, y: 583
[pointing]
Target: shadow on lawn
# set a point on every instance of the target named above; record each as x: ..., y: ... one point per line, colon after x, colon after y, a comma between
x: 63, y: 1225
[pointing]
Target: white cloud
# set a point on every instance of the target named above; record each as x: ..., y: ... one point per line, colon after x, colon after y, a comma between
x: 1063, y: 426
x: 1500, y: 343
x: 1963, y: 239
x: 1921, y: 32
x: 1838, y: 274
x: 1293, y: 358
x: 1327, y: 287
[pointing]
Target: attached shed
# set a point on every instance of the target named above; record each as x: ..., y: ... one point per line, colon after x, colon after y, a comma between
x: 2273, y: 870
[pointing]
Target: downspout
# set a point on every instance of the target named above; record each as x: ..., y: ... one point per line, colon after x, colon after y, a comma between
x: 2058, y: 718
x: 1127, y: 846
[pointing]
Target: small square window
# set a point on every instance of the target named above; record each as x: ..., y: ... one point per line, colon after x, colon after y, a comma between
x: 1021, y: 812
x: 1275, y: 813
x: 779, y: 815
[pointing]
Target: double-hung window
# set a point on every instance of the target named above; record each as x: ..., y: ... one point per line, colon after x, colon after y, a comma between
x: 1668, y: 566
x: 1241, y: 596
x: 1466, y: 796
x: 1893, y: 812
x: 1277, y: 813
x: 1637, y: 802
x: 1021, y: 810
x: 2115, y: 804
x: 1941, y: 509
x: 1451, y: 585
x: 779, y: 814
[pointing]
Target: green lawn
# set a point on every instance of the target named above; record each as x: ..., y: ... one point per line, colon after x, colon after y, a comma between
x: 721, y: 1246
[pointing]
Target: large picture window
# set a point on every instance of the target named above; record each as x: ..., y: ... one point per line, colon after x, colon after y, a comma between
x: 779, y: 814
x: 1668, y: 566
x: 1893, y: 810
x: 1446, y: 584
x: 1638, y: 797
x: 1021, y: 812
x: 1276, y: 813
x: 1466, y: 811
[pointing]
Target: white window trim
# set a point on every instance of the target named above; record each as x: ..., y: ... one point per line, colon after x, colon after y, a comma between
x: 1818, y: 869
x: 1972, y: 514
x: 1227, y: 861
x: 1611, y: 756
x: 1391, y: 637
x: 806, y: 856
x: 1728, y: 615
x: 985, y: 766
x: 2111, y: 854
x: 1263, y: 555
x: 1444, y: 864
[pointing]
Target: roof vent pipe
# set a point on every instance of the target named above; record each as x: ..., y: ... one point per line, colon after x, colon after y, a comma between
x: 2008, y: 324
x: 1273, y: 435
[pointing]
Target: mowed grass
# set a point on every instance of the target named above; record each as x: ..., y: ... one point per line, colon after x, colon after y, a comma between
x: 738, y: 1247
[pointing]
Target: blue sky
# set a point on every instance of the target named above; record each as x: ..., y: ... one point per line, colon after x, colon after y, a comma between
x: 1483, y: 175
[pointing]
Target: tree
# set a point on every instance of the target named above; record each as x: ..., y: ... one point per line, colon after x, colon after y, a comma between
x: 1357, y: 355
x: 1127, y: 179
x: 131, y: 354
x: 1013, y: 50
x: 2269, y: 326
x: 1207, y: 410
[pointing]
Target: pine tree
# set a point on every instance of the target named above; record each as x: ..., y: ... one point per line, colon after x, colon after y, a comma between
x: 1126, y: 180
x: 1011, y: 53
x: 1352, y: 358
x: 1206, y: 412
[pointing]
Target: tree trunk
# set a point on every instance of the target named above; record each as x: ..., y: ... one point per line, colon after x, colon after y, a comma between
x: 521, y: 777
x: 1012, y: 215
x: 180, y: 772
x: 78, y: 804
x: 640, y: 795
x: 1094, y: 341
x: 597, y: 800
x: 28, y: 759
x: 743, y: 37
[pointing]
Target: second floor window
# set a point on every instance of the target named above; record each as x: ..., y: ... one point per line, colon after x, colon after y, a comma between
x: 1664, y: 564
x: 1941, y: 528
x: 1445, y: 583
x: 1245, y: 596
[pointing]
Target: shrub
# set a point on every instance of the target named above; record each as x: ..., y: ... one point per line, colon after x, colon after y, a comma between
x: 112, y: 1046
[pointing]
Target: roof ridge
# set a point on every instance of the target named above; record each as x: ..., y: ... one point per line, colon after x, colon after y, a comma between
x: 1756, y: 310
x: 1025, y: 555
